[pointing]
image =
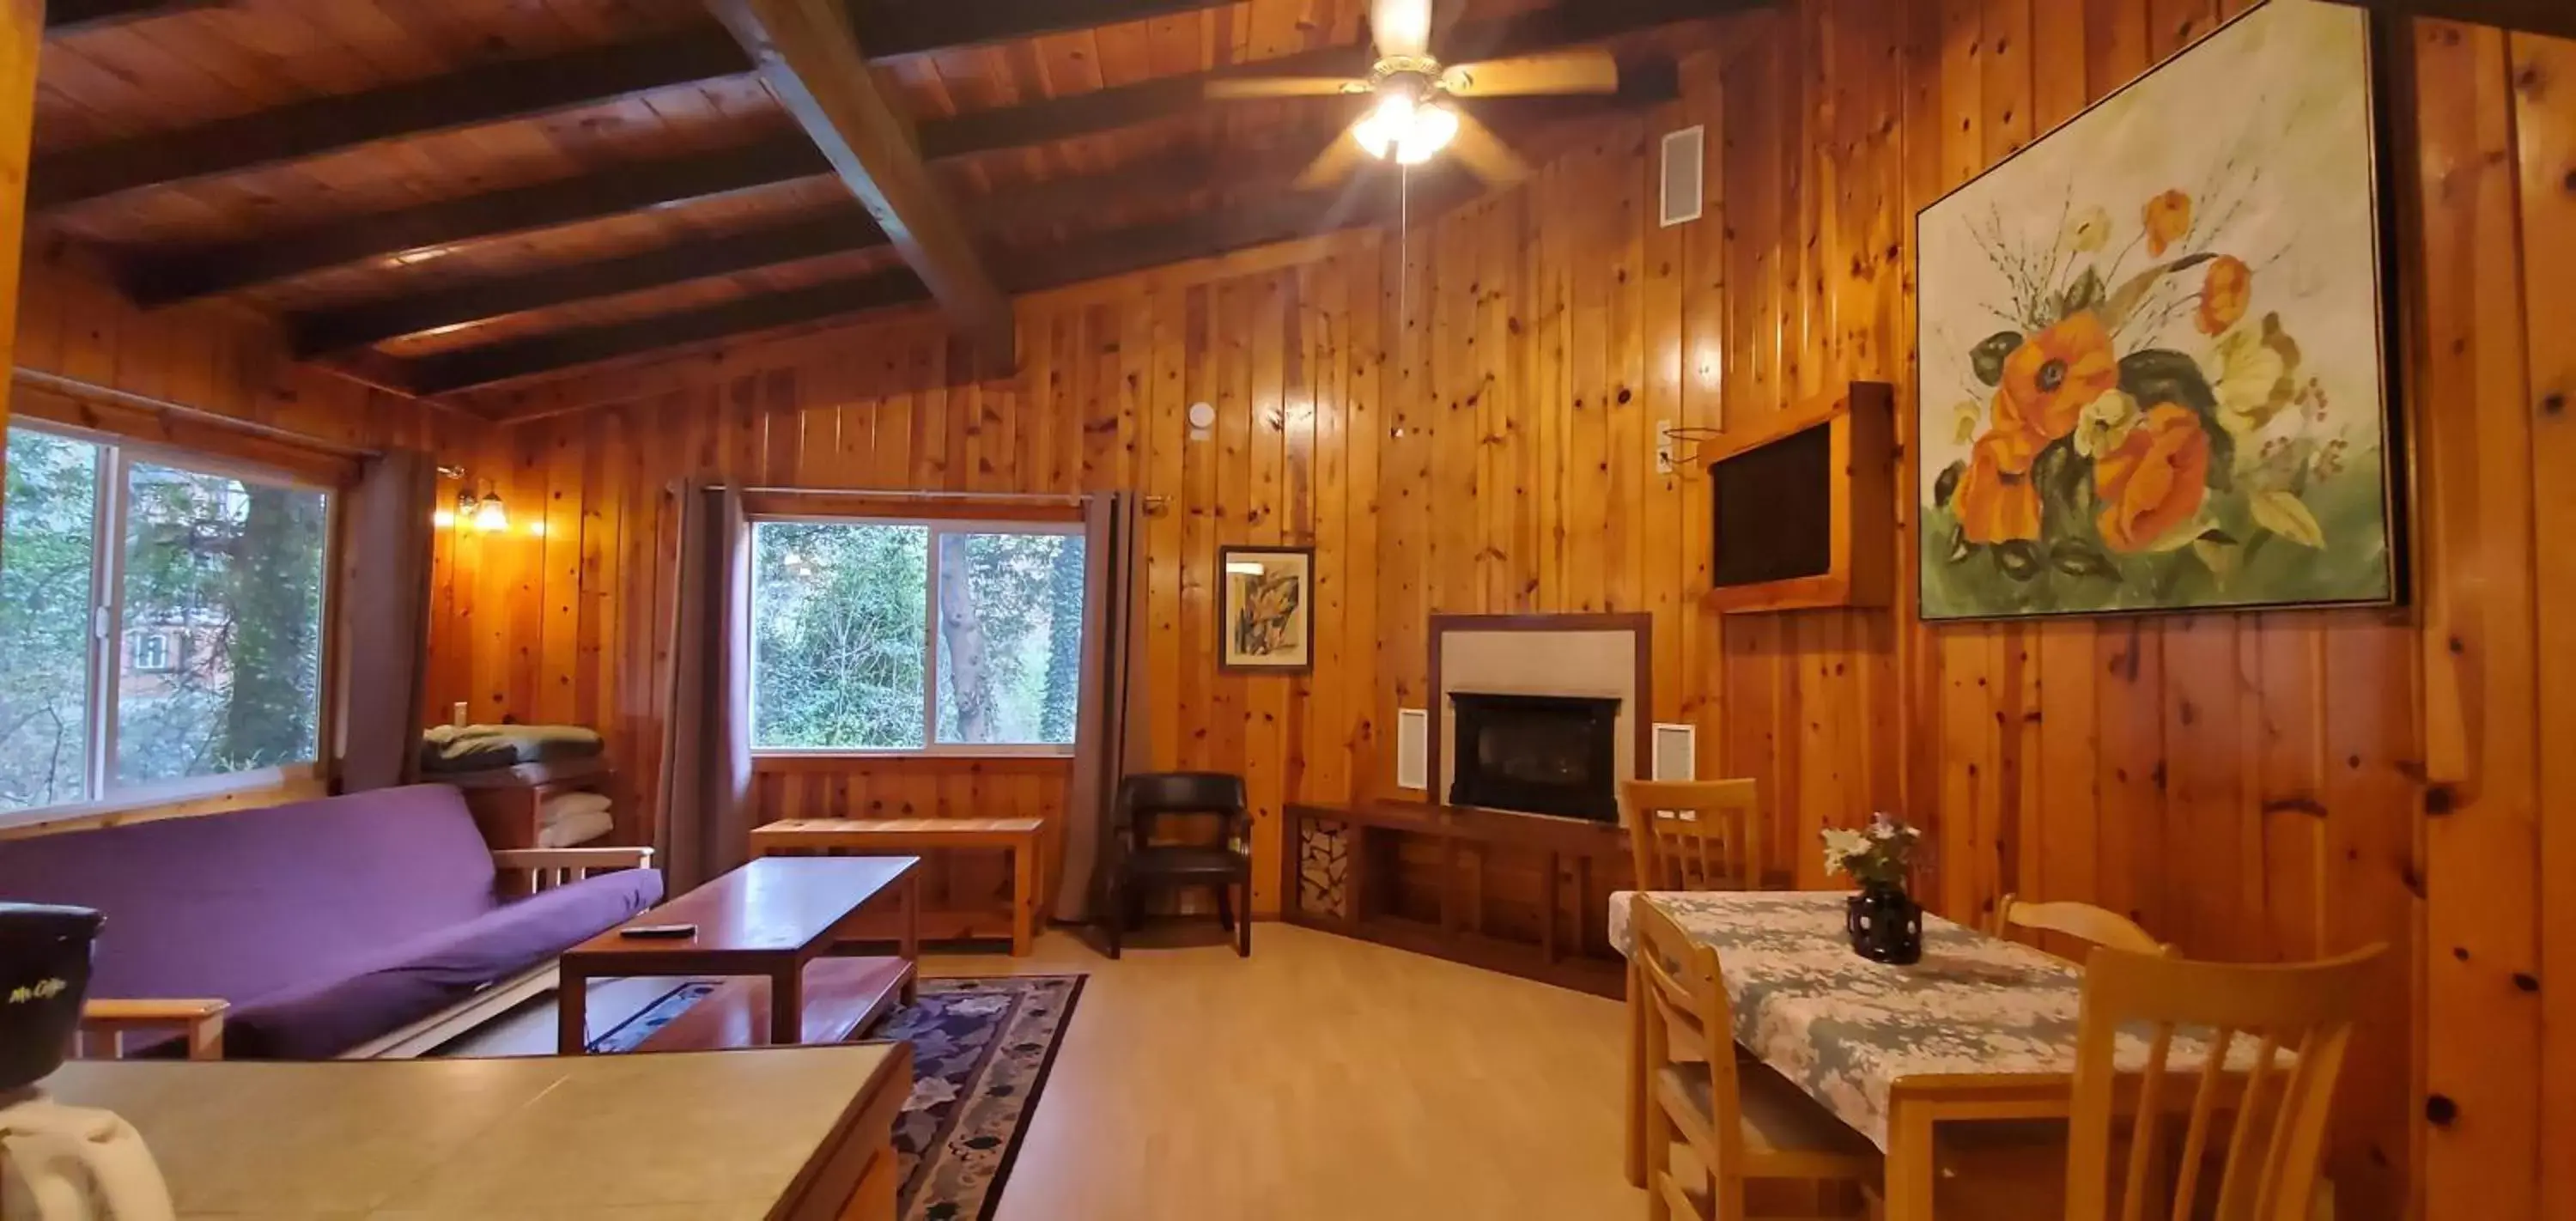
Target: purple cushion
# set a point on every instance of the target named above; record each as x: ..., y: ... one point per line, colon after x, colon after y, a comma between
x: 408, y: 982
x: 246, y: 904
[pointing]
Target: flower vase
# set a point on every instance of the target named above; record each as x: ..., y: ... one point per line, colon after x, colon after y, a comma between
x: 1885, y: 923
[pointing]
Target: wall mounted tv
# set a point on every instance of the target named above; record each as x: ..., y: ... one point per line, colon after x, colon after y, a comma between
x: 1805, y: 507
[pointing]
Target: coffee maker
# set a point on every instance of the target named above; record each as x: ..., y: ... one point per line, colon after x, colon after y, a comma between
x: 72, y: 1163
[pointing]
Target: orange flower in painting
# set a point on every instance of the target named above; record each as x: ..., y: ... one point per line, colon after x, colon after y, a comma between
x: 2225, y: 294
x: 1996, y: 501
x: 2168, y: 218
x: 2054, y: 375
x: 2154, y: 481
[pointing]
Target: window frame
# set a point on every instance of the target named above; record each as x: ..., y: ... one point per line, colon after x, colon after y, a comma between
x: 931, y: 746
x: 106, y: 653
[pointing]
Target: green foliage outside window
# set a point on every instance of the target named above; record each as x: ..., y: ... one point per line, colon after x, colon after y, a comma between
x: 842, y: 614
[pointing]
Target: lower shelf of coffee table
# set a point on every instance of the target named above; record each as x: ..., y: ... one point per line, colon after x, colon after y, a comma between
x: 842, y: 997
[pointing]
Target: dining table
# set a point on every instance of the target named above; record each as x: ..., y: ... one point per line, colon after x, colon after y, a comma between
x: 1981, y: 1028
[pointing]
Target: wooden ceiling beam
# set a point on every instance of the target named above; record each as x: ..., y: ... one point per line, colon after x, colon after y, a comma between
x: 477, y: 96
x: 811, y: 61
x: 1278, y: 219
x: 1573, y: 23
x: 76, y: 16
x: 209, y: 271
x: 536, y: 354
x: 893, y: 29
x: 2556, y: 17
x: 339, y: 329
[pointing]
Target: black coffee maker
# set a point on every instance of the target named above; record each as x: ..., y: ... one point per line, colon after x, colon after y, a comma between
x: 44, y: 974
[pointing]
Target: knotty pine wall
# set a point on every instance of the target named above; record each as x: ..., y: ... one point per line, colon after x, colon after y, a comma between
x: 1464, y: 421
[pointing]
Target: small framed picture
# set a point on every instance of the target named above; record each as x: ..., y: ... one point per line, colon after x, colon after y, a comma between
x: 1265, y: 609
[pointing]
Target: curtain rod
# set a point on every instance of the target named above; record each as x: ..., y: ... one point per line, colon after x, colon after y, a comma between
x: 1029, y: 498
x: 74, y: 387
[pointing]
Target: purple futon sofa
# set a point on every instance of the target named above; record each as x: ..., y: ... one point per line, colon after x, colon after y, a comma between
x: 325, y: 923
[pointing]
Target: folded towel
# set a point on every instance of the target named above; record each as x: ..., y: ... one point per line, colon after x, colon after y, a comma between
x: 566, y: 805
x: 575, y: 829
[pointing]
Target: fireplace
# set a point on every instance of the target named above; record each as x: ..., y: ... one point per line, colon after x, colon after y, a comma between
x: 1540, y: 754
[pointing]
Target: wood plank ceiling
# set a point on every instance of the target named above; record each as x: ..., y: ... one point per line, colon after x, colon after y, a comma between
x: 437, y: 195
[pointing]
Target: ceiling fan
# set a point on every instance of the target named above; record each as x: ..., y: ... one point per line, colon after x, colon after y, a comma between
x: 1415, y: 114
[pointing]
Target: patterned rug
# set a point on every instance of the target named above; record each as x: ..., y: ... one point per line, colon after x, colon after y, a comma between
x: 981, y: 1049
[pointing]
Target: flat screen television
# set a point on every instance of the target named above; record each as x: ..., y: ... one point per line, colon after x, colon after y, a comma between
x: 1775, y: 509
x: 1805, y: 507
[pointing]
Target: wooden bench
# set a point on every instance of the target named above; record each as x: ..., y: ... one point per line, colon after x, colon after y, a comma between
x: 1023, y: 838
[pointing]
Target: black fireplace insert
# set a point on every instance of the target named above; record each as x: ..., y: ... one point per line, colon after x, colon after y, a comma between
x: 1540, y: 754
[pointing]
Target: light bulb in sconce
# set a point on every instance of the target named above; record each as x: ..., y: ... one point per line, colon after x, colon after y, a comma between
x: 442, y: 518
x: 489, y: 515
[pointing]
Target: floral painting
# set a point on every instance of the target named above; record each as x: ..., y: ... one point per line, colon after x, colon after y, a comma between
x: 1265, y: 616
x: 2152, y: 359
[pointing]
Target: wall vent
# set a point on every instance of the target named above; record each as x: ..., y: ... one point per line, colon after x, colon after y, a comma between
x: 1685, y: 177
x: 1676, y: 752
x: 1412, y: 748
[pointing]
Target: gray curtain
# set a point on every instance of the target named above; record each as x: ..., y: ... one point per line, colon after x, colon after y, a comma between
x: 703, y: 826
x: 383, y: 619
x: 1112, y: 738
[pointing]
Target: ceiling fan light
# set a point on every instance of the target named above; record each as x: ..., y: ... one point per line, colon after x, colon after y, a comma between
x: 1387, y: 125
x: 1430, y: 129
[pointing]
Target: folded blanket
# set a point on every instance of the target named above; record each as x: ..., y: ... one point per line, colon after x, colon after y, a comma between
x: 577, y: 828
x: 568, y: 805
x: 472, y: 748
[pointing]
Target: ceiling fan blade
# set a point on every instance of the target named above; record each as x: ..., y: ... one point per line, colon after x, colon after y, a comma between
x: 1401, y: 27
x: 1284, y: 86
x: 1339, y: 160
x: 1485, y: 154
x: 1590, y: 70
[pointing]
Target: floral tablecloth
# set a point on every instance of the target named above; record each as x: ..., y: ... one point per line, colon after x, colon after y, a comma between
x: 1846, y: 1029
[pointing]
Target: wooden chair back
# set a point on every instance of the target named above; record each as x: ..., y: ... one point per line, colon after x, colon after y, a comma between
x: 2083, y: 921
x: 1694, y: 835
x: 1692, y: 1022
x: 2299, y: 1021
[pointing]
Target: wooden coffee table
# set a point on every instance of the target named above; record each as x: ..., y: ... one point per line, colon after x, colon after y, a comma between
x: 769, y: 919
x: 1023, y: 838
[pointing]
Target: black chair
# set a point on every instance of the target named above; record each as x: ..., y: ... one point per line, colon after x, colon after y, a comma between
x: 1140, y: 865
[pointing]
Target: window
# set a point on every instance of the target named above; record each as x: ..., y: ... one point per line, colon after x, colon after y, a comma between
x: 161, y: 623
x: 915, y: 636
x: 152, y: 652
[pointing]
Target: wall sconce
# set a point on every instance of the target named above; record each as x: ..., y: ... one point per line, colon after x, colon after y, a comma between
x: 484, y: 512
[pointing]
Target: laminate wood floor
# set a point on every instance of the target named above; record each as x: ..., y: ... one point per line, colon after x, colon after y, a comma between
x: 1321, y: 1078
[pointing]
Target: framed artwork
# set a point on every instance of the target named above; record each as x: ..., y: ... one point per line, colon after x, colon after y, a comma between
x: 1265, y: 619
x: 2154, y: 347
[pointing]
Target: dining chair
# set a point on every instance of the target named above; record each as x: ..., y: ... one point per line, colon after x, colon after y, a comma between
x: 1741, y: 1121
x: 2083, y: 921
x: 2270, y: 1042
x: 1693, y: 835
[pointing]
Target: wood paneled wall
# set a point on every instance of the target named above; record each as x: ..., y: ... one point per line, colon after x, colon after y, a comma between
x: 1464, y: 420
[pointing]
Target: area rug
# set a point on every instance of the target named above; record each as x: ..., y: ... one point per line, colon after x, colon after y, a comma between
x: 981, y: 1050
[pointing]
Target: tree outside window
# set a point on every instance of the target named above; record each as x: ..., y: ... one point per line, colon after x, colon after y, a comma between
x: 214, y: 582
x: 915, y: 636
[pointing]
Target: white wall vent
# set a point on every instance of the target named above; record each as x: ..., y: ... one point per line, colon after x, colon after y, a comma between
x: 1676, y: 752
x: 1685, y: 174
x: 1412, y: 748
